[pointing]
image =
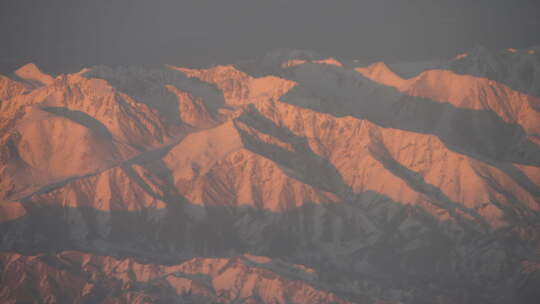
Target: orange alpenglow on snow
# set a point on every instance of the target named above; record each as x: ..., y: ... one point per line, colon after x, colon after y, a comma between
x: 292, y: 62
x: 295, y: 62
x: 239, y: 88
x: 314, y: 186
x: 461, y: 56
x: 10, y: 211
x: 330, y: 61
x: 463, y: 91
x: 34, y: 75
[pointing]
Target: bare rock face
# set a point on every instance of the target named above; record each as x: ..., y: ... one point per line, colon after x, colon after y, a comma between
x: 312, y: 182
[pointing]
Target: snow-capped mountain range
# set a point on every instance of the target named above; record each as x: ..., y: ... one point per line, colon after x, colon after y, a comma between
x: 290, y: 178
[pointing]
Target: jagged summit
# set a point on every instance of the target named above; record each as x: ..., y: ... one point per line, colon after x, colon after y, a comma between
x: 381, y: 73
x: 33, y: 75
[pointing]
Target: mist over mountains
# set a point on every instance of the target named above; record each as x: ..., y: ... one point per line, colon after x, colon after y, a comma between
x: 63, y: 36
x: 291, y: 177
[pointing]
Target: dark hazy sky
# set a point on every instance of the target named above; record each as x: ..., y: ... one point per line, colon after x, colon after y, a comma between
x: 68, y: 34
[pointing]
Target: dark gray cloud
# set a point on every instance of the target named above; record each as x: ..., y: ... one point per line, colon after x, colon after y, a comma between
x: 69, y: 34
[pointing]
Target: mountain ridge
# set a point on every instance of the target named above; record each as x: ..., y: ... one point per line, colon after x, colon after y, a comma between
x: 377, y: 183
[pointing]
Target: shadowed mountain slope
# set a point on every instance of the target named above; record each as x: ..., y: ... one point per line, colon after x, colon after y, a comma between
x: 312, y: 182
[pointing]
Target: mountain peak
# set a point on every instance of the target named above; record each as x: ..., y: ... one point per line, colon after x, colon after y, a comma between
x: 33, y: 74
x: 381, y: 73
x: 330, y: 61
